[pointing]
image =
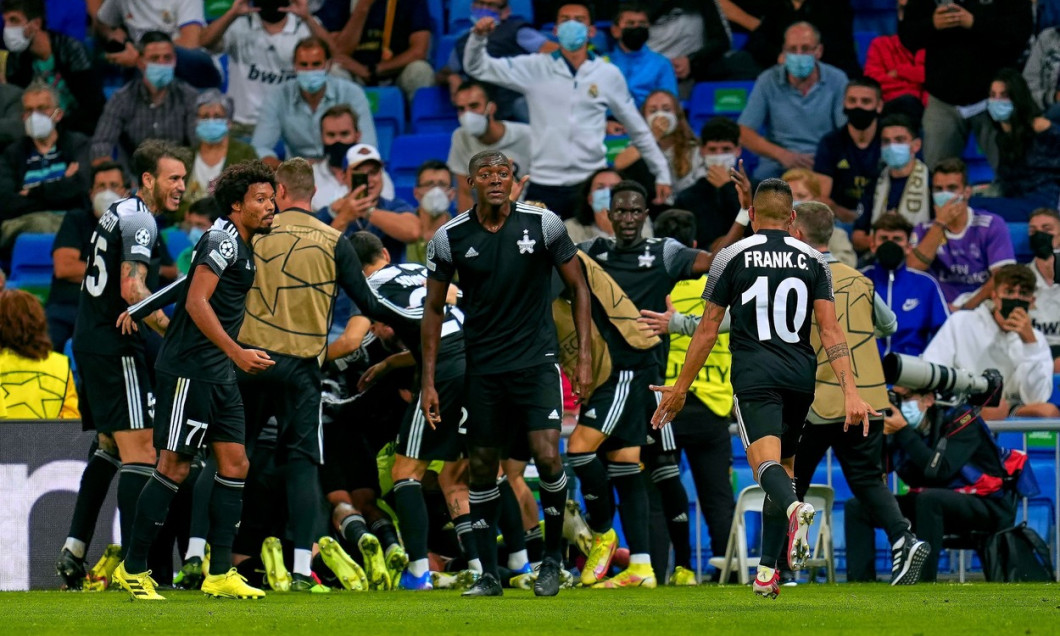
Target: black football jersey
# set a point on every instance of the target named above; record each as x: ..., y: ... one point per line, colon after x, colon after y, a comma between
x: 769, y: 282
x: 506, y: 279
x: 125, y: 232
x: 403, y: 288
x: 646, y: 272
x: 186, y: 351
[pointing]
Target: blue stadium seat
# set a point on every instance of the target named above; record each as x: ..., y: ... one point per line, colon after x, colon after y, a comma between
x: 67, y: 17
x: 176, y: 241
x: 1021, y: 242
x: 971, y: 150
x: 460, y: 13
x: 432, y: 112
x: 877, y: 16
x: 717, y: 98
x: 437, y: 11
x: 408, y: 153
x: 443, y: 48
x: 388, y: 111
x: 31, y: 261
x: 862, y: 39
x: 738, y: 41
x: 979, y: 172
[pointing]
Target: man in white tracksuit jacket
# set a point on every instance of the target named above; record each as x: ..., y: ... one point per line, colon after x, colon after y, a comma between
x: 1000, y: 336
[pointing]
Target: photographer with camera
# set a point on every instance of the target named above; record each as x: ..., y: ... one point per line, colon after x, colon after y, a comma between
x: 958, y: 482
x: 999, y: 335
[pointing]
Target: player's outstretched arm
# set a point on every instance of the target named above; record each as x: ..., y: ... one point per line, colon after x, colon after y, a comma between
x: 430, y: 337
x: 673, y: 397
x: 134, y: 289
x: 197, y: 304
x: 351, y: 338
x: 574, y: 279
x: 835, y: 345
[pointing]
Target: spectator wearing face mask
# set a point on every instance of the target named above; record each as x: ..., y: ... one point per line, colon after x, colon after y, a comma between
x: 1028, y: 176
x: 71, y: 249
x: 339, y: 132
x: 1044, y: 228
x: 198, y: 218
x: 904, y: 185
x: 216, y: 150
x: 805, y: 186
x: 292, y: 112
x: 35, y: 52
x: 713, y: 199
x: 645, y: 70
x: 961, y: 246
x: 45, y: 171
x: 848, y: 158
x: 435, y: 194
x: 797, y: 102
x: 914, y: 297
x: 1000, y: 335
x: 673, y: 136
x: 480, y: 130
x: 591, y: 220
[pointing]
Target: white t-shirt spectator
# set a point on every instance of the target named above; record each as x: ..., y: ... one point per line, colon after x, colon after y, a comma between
x: 140, y: 16
x: 330, y: 189
x: 258, y: 60
x: 515, y: 144
x: 1045, y: 314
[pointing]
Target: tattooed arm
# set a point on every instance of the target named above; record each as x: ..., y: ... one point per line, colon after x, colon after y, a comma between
x: 134, y: 289
x: 835, y: 345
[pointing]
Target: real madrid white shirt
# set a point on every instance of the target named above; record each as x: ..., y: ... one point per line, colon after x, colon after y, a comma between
x: 258, y: 60
x: 1046, y: 311
x: 568, y: 111
x: 140, y: 16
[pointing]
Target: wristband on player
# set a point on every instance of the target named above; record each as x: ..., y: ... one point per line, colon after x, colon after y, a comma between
x: 744, y: 217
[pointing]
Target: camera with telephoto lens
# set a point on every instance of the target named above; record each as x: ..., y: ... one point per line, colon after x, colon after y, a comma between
x: 950, y: 384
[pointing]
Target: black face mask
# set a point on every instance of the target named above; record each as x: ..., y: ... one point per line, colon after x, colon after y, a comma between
x: 336, y: 153
x: 1009, y: 304
x: 633, y: 38
x: 269, y: 10
x: 890, y: 255
x: 1042, y: 244
x: 860, y: 118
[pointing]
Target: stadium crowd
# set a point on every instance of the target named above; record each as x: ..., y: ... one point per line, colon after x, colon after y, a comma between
x: 618, y: 141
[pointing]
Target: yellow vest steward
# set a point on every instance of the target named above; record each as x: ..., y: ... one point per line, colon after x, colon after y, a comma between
x: 289, y: 307
x: 713, y: 385
x: 854, y: 295
x: 37, y: 389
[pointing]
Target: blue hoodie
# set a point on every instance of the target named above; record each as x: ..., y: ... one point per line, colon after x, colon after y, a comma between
x: 916, y: 298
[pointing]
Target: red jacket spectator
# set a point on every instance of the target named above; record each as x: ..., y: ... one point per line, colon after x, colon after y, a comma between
x: 898, y: 71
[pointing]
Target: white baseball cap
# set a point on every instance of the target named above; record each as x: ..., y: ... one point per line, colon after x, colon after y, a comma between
x: 360, y: 153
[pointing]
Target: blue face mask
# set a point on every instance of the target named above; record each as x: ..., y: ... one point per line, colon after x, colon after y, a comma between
x: 1000, y: 109
x: 312, y: 81
x: 602, y: 200
x: 572, y: 35
x: 800, y: 65
x: 912, y: 413
x: 896, y: 155
x: 159, y: 75
x: 194, y: 234
x: 478, y: 14
x: 943, y: 197
x: 211, y: 130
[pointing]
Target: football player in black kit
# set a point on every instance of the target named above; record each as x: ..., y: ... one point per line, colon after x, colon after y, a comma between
x: 116, y: 387
x: 199, y: 401
x: 770, y: 282
x: 505, y: 253
x: 615, y: 419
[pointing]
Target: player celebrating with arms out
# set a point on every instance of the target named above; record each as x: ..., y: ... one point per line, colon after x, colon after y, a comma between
x: 770, y: 282
x: 199, y: 401
x: 504, y: 253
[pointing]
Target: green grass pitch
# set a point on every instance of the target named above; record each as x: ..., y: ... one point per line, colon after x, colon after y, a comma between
x: 808, y: 609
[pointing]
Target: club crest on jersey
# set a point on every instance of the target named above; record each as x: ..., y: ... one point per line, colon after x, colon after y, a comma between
x: 526, y: 244
x: 143, y: 237
x: 647, y: 259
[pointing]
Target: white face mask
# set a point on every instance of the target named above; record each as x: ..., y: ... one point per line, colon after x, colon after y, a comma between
x: 15, y: 39
x: 474, y: 123
x: 39, y: 126
x: 725, y: 160
x: 435, y: 201
x: 671, y: 120
x: 102, y: 200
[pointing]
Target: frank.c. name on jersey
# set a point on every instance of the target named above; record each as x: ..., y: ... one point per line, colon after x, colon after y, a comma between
x: 775, y: 259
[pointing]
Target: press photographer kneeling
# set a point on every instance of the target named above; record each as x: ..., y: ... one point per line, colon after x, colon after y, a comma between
x: 960, y: 481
